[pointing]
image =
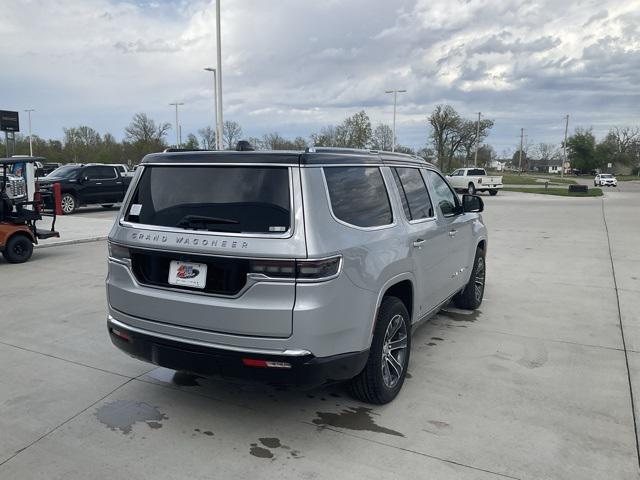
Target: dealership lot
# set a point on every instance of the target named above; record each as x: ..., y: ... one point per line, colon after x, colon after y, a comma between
x: 534, y: 385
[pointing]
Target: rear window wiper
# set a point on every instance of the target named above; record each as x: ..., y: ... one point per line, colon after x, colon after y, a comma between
x: 194, y: 221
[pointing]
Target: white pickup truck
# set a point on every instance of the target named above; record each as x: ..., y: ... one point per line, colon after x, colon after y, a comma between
x: 473, y: 180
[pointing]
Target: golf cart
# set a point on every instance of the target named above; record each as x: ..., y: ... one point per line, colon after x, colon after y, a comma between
x: 19, y: 213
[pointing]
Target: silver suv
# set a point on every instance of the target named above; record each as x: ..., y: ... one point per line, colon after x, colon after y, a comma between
x: 292, y: 267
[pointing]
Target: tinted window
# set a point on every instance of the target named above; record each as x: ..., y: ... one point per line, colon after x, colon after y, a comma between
x: 415, y: 201
x: 358, y: 196
x: 221, y: 199
x: 442, y: 194
x: 65, y: 172
x: 99, y: 173
x: 476, y: 171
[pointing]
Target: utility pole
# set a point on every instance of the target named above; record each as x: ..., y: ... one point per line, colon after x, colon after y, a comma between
x: 475, y: 159
x: 176, y: 104
x: 215, y: 104
x: 220, y: 122
x: 395, y: 102
x: 29, y: 110
x: 564, y: 146
x: 520, y: 161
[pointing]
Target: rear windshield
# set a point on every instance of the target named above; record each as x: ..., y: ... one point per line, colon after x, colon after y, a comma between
x: 213, y: 198
x: 476, y: 171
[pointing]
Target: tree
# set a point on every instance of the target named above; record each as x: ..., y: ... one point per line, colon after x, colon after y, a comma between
x: 468, y: 133
x: 382, y: 138
x: 81, y: 143
x: 486, y: 154
x: 192, y: 142
x: 444, y: 121
x: 327, y: 137
x: 581, y: 150
x: 355, y: 131
x: 144, y: 136
x: 207, y: 138
x: 231, y: 134
x: 144, y: 130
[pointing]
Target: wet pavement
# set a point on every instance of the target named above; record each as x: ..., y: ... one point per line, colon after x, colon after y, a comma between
x: 535, y: 384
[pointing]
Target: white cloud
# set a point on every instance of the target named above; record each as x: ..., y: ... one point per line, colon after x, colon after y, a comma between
x: 293, y: 66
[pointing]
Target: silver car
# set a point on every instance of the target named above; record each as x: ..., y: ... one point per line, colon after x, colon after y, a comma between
x: 291, y: 267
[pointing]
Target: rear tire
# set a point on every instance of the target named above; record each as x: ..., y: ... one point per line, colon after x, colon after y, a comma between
x: 68, y: 203
x: 471, y: 189
x: 18, y: 249
x: 385, y: 371
x: 493, y: 193
x: 471, y: 297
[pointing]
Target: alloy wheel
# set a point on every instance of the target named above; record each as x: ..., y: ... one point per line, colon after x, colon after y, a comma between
x: 394, y: 351
x: 479, y: 279
x: 68, y: 204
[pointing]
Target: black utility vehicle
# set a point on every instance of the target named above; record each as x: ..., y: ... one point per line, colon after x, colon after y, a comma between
x: 87, y: 184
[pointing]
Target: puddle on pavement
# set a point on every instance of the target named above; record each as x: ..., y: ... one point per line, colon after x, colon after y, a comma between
x: 353, y: 418
x: 269, y: 444
x: 122, y: 414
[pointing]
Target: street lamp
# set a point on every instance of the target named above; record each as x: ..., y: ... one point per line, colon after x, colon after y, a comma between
x: 215, y: 102
x: 395, y: 101
x: 29, y: 110
x: 219, y: 77
x: 176, y: 104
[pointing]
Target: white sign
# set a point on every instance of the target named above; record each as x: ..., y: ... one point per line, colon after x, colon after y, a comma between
x: 609, y: 165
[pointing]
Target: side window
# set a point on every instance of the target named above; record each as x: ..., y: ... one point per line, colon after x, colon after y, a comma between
x: 358, y: 196
x: 457, y: 173
x: 415, y: 197
x: 100, y: 173
x: 91, y: 173
x: 442, y: 194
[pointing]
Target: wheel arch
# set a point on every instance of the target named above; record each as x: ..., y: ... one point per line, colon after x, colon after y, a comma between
x: 401, y: 286
x: 19, y: 231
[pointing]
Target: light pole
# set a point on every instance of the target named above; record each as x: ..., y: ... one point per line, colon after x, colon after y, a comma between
x: 564, y: 145
x: 29, y: 110
x: 215, y: 103
x: 176, y: 104
x: 220, y: 123
x: 395, y: 102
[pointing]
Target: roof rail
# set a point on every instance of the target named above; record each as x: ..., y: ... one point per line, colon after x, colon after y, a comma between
x: 337, y: 150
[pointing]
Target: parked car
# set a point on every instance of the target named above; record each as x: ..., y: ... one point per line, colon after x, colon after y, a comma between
x: 605, y: 180
x: 87, y: 184
x: 474, y: 180
x: 292, y: 267
x: 124, y: 170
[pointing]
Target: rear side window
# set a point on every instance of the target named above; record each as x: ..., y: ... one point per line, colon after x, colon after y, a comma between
x: 358, y: 196
x: 213, y: 198
x: 413, y: 191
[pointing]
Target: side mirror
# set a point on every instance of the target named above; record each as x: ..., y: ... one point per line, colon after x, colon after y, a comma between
x: 472, y: 203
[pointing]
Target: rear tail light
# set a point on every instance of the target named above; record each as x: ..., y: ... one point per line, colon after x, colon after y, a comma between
x: 309, y: 270
x: 118, y: 252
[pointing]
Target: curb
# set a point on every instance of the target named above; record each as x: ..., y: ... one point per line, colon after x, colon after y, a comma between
x: 71, y: 242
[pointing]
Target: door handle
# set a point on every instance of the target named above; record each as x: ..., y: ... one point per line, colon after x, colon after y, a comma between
x: 119, y: 183
x: 452, y: 233
x: 419, y: 242
x: 98, y: 183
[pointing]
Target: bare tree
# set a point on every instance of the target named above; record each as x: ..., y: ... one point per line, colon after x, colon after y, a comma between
x: 207, y: 138
x: 382, y: 138
x: 143, y: 129
x: 231, y: 134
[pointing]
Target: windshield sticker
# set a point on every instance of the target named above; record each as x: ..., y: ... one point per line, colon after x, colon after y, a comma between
x: 135, y: 209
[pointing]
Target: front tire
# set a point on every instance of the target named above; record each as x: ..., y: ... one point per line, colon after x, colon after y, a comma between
x: 385, y: 371
x: 18, y: 249
x: 471, y: 297
x: 68, y: 203
x: 471, y: 189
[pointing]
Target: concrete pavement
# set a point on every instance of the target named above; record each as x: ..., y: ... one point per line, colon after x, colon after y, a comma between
x: 533, y: 385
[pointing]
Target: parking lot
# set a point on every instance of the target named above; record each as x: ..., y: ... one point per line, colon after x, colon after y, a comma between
x: 536, y: 384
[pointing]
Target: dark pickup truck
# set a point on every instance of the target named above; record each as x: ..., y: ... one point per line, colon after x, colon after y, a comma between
x: 86, y: 185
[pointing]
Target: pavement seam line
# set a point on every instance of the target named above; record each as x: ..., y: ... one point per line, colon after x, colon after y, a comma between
x: 67, y: 360
x: 76, y: 415
x: 408, y: 450
x: 624, y: 344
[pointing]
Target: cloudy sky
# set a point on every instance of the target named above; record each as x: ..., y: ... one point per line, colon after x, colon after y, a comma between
x: 292, y: 66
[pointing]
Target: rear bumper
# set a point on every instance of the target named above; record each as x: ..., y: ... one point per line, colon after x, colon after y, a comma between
x: 198, y: 357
